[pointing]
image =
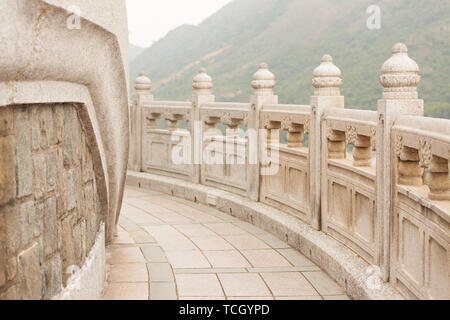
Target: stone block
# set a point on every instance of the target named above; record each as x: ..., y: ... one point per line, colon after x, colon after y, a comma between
x: 51, y: 276
x: 52, y: 168
x: 23, y: 152
x: 11, y: 268
x: 87, y: 166
x: 47, y: 136
x: 13, y: 228
x: 51, y: 230
x: 58, y: 121
x: 6, y: 121
x: 35, y: 128
x: 71, y: 137
x: 7, y: 170
x: 40, y: 176
x: 68, y: 246
x: 30, y: 222
x: 10, y: 294
x: 30, y: 285
x: 3, y: 275
x: 70, y: 187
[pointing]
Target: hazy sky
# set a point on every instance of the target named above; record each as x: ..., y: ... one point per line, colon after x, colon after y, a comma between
x: 150, y: 20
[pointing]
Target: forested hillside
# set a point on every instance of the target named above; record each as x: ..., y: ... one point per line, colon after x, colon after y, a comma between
x: 292, y: 36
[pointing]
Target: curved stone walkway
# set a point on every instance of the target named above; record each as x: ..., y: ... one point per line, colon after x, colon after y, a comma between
x: 168, y: 248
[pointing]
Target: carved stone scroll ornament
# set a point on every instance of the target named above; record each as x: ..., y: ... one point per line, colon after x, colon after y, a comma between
x: 398, y: 145
x: 373, y: 139
x: 307, y: 126
x: 351, y: 134
x: 226, y: 119
x: 425, y: 154
x: 286, y: 123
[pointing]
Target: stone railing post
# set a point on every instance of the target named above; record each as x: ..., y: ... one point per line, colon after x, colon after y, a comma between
x: 263, y: 84
x: 326, y: 82
x: 202, y: 84
x: 143, y: 85
x: 399, y: 78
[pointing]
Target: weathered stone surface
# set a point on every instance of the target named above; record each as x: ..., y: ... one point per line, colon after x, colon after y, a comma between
x: 47, y: 136
x: 3, y: 275
x: 11, y: 268
x: 13, y: 228
x: 29, y: 222
x: 40, y: 176
x: 6, y: 121
x: 51, y: 229
x: 35, y: 128
x: 30, y: 284
x: 7, y: 170
x: 23, y: 152
x: 68, y: 246
x: 71, y: 137
x: 51, y: 276
x: 52, y: 168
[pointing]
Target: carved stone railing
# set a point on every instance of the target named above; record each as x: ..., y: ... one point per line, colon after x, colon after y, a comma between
x: 376, y: 182
x: 421, y: 220
x: 349, y: 180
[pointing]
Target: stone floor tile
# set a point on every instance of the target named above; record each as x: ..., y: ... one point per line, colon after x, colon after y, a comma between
x: 273, y: 241
x: 226, y: 229
x: 153, y: 253
x: 160, y: 272
x: 126, y: 291
x: 124, y: 255
x: 299, y: 298
x: 210, y: 270
x: 243, y: 285
x: 323, y: 283
x: 187, y: 259
x: 198, y: 285
x: 246, y: 242
x: 250, y: 298
x: 211, y: 243
x: 191, y: 230
x: 283, y: 269
x: 202, y: 298
x: 142, y: 237
x: 163, y: 291
x: 138, y: 216
x: 337, y: 297
x: 265, y: 258
x: 288, y: 284
x: 128, y: 272
x: 128, y: 225
x: 249, y: 227
x: 123, y: 237
x: 295, y: 257
x: 226, y: 259
x: 171, y: 217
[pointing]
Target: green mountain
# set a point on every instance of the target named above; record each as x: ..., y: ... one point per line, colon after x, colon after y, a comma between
x: 292, y: 36
x: 134, y: 51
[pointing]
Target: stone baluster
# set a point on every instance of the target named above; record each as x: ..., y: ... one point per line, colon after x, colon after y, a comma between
x: 263, y: 84
x: 399, y: 78
x: 202, y: 85
x: 409, y: 171
x: 326, y: 82
x: 439, y: 179
x: 295, y: 136
x: 143, y: 85
x: 362, y: 151
x: 337, y: 145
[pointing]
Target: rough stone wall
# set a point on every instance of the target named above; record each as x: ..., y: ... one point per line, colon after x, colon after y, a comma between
x: 50, y: 210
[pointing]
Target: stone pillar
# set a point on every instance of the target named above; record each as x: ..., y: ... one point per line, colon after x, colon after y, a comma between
x: 326, y: 82
x: 263, y: 84
x: 202, y: 84
x: 399, y: 78
x: 143, y: 85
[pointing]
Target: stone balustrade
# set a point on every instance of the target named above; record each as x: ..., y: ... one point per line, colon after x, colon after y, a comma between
x: 376, y: 182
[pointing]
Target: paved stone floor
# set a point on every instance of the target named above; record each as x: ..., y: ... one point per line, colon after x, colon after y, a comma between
x: 168, y: 248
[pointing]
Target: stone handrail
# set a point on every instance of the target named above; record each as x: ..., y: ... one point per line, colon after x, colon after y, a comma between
x: 361, y: 200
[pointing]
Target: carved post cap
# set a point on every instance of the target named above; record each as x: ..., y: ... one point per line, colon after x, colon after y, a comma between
x: 327, y: 78
x: 263, y: 81
x: 400, y: 75
x: 142, y: 83
x: 202, y: 83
